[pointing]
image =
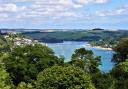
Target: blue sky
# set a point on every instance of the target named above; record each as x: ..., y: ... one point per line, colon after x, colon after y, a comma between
x: 65, y: 14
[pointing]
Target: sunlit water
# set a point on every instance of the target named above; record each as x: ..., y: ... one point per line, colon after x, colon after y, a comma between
x: 67, y: 49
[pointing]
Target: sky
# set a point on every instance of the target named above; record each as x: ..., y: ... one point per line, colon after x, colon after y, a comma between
x: 64, y: 14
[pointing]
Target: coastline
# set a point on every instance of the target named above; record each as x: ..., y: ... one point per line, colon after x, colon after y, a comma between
x: 87, y: 45
x: 98, y: 47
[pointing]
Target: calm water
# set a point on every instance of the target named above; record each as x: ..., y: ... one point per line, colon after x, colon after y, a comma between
x: 67, y: 49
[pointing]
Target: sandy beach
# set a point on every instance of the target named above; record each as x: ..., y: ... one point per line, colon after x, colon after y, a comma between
x: 98, y: 47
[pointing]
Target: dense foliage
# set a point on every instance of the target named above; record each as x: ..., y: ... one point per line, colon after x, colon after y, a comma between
x: 85, y: 59
x: 5, y: 82
x: 23, y: 85
x: 121, y: 70
x: 24, y: 63
x: 4, y: 46
x: 121, y: 51
x: 59, y: 77
x: 120, y: 74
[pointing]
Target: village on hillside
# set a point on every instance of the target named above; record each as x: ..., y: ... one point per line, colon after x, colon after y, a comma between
x: 18, y: 39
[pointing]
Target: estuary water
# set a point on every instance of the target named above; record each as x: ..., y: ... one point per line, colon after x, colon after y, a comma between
x: 67, y: 48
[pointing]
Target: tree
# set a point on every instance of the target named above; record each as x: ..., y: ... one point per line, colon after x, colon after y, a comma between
x: 120, y: 70
x: 4, y: 46
x: 5, y: 82
x: 25, y: 62
x: 23, y: 85
x: 58, y: 77
x: 85, y: 59
x: 102, y: 80
x: 120, y: 74
x: 121, y: 51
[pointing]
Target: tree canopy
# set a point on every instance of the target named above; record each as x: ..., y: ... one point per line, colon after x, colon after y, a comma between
x: 121, y: 70
x: 25, y: 62
x: 58, y: 77
x: 5, y: 82
x: 120, y: 74
x: 121, y: 51
x: 85, y: 59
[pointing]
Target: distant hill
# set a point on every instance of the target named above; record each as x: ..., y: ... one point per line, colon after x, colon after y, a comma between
x: 85, y: 35
x: 97, y: 29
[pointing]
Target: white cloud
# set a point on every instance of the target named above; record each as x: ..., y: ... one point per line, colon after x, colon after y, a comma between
x: 101, y: 1
x: 84, y: 2
x: 23, y: 9
x: 3, y: 17
x: 50, y: 9
x: 10, y: 7
x: 98, y: 13
x: 115, y: 12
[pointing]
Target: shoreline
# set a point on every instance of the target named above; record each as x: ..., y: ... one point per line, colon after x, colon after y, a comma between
x: 86, y: 44
x: 98, y: 47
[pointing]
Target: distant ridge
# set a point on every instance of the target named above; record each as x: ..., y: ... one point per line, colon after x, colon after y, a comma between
x: 20, y: 30
x: 97, y: 29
